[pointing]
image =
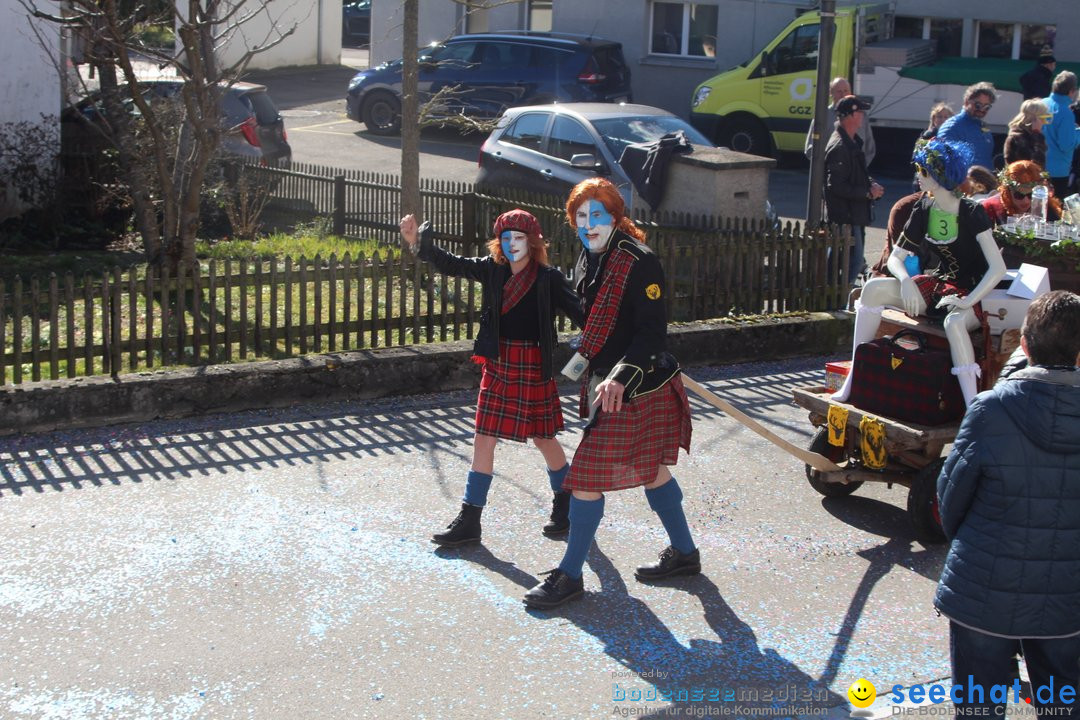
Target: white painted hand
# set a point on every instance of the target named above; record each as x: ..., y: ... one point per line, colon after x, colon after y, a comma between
x: 914, y: 304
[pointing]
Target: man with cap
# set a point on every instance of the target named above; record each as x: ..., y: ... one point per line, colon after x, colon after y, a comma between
x: 840, y: 88
x: 1035, y: 83
x: 518, y: 398
x: 849, y: 189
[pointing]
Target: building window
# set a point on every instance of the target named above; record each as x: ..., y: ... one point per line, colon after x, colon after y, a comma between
x: 1034, y: 37
x: 540, y: 15
x: 683, y: 29
x: 994, y: 40
x: 1012, y: 40
x: 946, y: 33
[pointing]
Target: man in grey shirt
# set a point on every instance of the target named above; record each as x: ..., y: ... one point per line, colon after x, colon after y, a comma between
x: 838, y: 89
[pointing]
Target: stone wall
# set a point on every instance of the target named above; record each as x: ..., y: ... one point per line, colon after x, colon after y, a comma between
x: 87, y: 402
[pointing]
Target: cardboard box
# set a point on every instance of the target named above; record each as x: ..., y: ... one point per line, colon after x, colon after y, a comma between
x: 1005, y: 308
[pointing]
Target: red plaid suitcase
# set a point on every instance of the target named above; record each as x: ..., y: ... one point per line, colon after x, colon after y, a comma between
x: 911, y: 384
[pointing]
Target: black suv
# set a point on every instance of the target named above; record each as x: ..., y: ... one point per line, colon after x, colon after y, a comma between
x: 483, y: 74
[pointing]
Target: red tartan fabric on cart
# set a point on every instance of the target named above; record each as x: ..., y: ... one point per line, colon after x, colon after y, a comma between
x: 625, y: 449
x: 515, y: 403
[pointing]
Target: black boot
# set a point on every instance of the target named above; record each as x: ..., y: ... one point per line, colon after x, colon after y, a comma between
x: 559, y: 522
x: 557, y: 588
x: 672, y: 562
x: 465, y: 528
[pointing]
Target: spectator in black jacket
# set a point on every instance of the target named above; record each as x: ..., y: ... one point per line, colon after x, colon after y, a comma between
x: 1035, y: 83
x: 849, y: 189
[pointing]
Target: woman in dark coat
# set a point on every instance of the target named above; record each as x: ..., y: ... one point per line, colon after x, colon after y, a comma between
x: 1025, y: 140
x: 518, y: 399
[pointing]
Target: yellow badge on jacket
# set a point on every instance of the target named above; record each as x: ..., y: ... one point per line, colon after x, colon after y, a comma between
x: 653, y: 292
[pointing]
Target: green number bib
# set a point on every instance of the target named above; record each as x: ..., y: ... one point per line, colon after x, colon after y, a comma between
x: 942, y: 227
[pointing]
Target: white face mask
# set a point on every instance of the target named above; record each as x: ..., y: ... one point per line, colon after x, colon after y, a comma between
x: 595, y: 225
x: 515, y: 245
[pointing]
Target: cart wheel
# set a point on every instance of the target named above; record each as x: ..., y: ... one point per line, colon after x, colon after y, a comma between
x: 922, y: 504
x: 820, y: 445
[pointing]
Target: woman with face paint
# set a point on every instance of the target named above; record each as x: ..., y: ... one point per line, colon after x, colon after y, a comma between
x: 518, y: 399
x: 641, y: 416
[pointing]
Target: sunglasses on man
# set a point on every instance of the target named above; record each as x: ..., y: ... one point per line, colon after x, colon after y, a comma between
x: 980, y: 106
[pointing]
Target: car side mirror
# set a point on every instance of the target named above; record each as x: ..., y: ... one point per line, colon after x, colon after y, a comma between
x: 585, y: 161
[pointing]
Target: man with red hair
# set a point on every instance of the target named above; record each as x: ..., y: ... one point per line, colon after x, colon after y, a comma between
x: 640, y: 415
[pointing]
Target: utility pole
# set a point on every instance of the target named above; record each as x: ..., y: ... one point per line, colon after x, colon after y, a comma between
x: 821, y: 133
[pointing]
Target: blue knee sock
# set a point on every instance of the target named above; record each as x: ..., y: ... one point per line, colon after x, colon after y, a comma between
x: 476, y: 488
x: 666, y: 501
x: 585, y: 516
x: 556, y: 477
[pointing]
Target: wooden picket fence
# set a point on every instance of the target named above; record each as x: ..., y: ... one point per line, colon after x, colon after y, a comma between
x: 235, y: 311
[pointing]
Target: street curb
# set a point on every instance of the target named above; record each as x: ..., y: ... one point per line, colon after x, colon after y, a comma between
x: 367, y: 374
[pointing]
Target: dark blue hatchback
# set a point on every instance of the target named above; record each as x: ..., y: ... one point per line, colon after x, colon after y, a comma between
x: 481, y: 75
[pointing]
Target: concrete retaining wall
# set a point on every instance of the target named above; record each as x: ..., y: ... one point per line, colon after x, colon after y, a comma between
x: 88, y: 402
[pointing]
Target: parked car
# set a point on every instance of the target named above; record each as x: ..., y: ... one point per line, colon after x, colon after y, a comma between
x: 551, y: 148
x: 355, y: 22
x: 253, y: 126
x: 484, y: 74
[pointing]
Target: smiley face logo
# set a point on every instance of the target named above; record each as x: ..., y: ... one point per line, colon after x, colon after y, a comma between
x: 862, y: 693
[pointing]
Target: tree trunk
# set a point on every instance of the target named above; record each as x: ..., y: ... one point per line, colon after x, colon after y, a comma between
x: 410, y: 113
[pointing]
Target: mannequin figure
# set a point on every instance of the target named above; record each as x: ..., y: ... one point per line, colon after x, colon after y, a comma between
x: 956, y: 231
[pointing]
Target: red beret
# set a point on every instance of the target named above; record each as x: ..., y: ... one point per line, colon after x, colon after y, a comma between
x: 517, y: 219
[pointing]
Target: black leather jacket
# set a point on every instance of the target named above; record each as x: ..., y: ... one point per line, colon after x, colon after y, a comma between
x: 635, y: 354
x: 847, y: 183
x: 553, y: 293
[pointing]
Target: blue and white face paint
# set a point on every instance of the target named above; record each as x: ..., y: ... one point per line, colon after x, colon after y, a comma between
x: 595, y: 225
x: 515, y: 245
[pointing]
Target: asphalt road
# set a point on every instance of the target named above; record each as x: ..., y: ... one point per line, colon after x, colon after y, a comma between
x: 276, y: 564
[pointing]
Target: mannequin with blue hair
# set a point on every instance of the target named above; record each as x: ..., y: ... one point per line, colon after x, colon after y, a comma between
x: 956, y: 233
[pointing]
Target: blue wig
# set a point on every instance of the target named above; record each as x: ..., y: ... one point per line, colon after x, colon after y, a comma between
x: 947, y: 163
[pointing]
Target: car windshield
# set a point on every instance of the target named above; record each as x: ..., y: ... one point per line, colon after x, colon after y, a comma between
x: 618, y: 132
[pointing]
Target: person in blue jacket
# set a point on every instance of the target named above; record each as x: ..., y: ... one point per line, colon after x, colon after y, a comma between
x: 1009, y: 496
x: 1062, y: 135
x: 968, y: 126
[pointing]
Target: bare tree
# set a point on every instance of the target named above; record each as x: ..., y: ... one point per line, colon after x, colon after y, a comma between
x: 165, y: 162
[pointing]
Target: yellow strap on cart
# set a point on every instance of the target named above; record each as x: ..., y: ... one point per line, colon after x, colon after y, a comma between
x: 837, y: 425
x: 872, y: 443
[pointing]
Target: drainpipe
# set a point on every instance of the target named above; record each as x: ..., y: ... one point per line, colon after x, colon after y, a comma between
x: 318, y: 37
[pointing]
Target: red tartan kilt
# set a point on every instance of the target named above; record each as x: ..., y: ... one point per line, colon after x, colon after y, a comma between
x: 625, y: 449
x: 515, y: 402
x: 933, y: 290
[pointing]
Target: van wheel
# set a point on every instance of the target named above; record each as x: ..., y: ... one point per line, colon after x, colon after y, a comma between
x: 746, y: 135
x: 382, y: 114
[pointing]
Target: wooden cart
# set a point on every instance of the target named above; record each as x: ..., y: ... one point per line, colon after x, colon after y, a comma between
x: 914, y: 459
x: 915, y: 452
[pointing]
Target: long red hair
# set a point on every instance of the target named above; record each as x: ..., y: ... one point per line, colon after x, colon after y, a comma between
x: 606, y: 192
x: 1025, y: 175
